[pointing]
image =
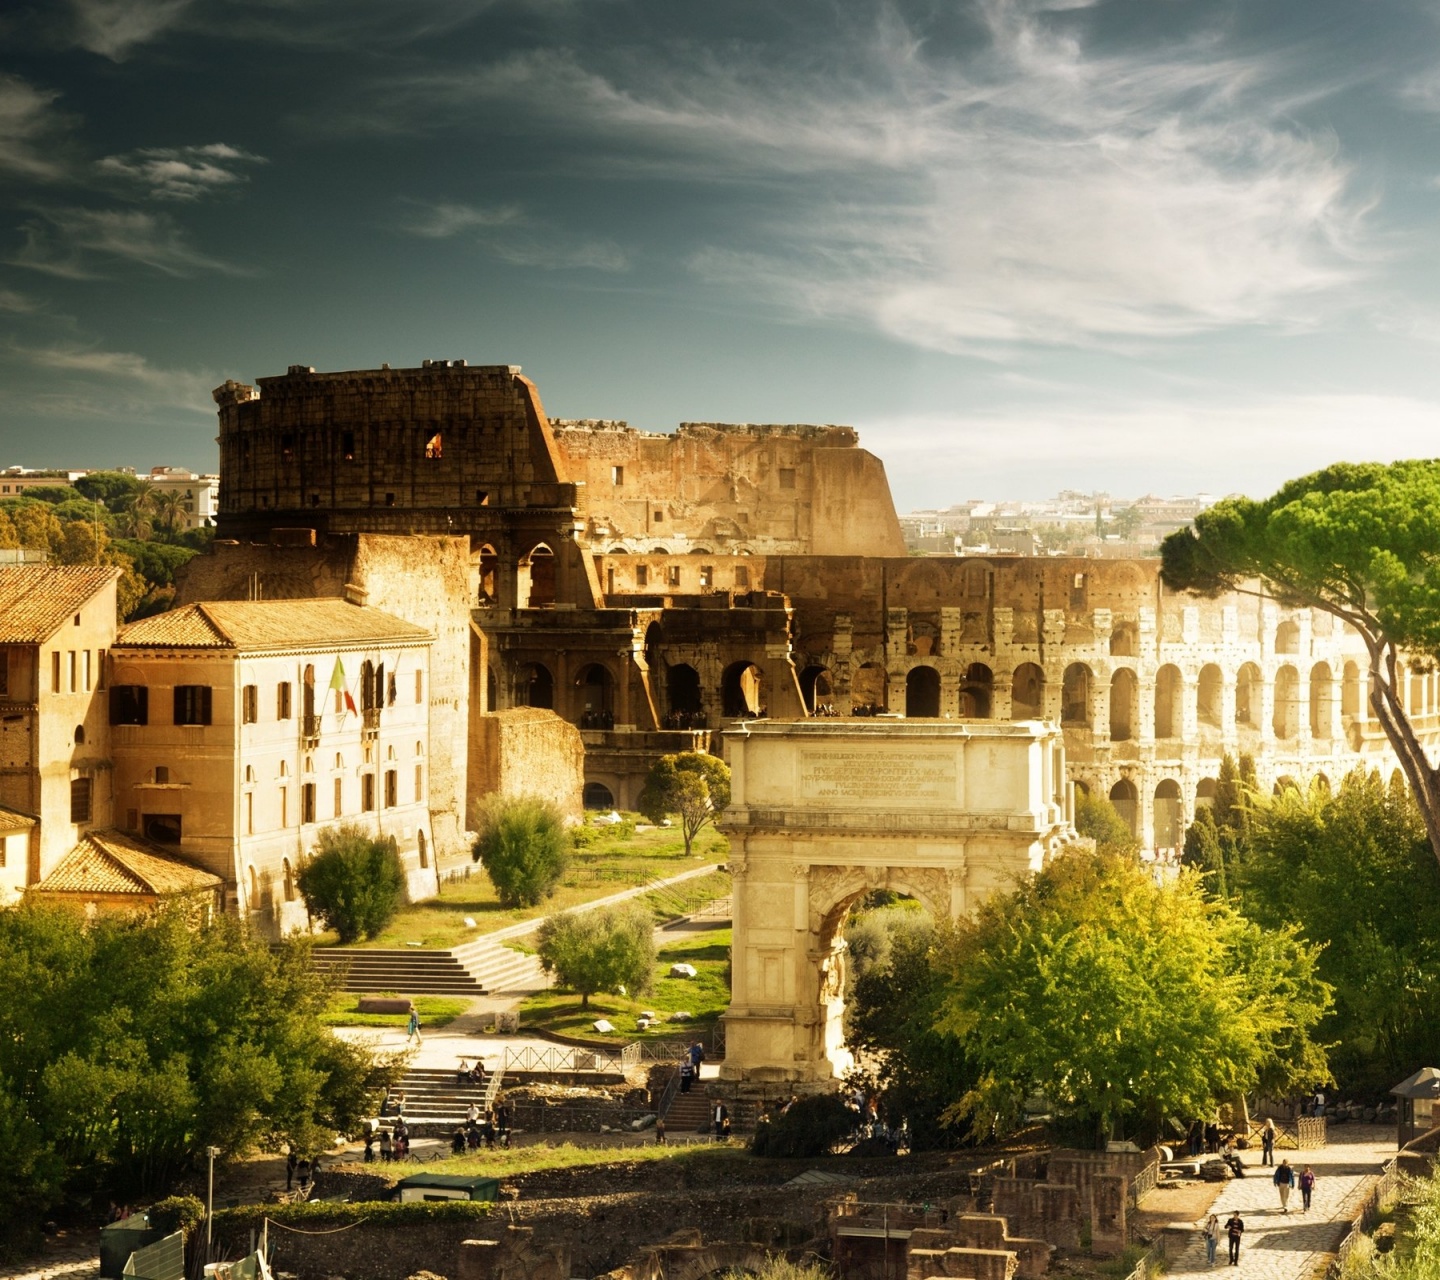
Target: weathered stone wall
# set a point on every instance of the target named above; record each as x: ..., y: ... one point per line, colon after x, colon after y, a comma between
x: 528, y: 751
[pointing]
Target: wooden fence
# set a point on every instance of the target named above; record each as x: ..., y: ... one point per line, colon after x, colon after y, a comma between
x: 1365, y: 1217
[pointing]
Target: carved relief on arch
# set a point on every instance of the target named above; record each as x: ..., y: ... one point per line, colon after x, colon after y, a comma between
x: 833, y: 890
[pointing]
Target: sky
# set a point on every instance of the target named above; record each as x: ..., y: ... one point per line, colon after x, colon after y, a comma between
x: 1140, y: 246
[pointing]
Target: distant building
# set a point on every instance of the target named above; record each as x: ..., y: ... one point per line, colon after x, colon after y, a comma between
x: 242, y: 729
x: 200, y: 494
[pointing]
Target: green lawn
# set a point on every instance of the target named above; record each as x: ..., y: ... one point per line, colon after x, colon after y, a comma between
x: 613, y: 863
x: 533, y: 1158
x: 435, y: 1011
x: 706, y: 996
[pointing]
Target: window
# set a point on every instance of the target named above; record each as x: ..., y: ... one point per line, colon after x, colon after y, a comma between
x: 282, y: 700
x: 284, y: 806
x: 419, y: 783
x: 389, y: 499
x: 4, y: 673
x: 88, y: 670
x: 71, y: 656
x: 674, y: 575
x: 162, y: 775
x: 163, y: 828
x: 707, y: 577
x: 347, y: 446
x: 367, y: 792
x: 79, y: 799
x: 77, y: 619
x: 482, y: 499
x: 99, y: 668
x: 287, y: 448
x: 390, y: 691
x: 392, y: 788
x: 55, y: 672
x: 658, y: 518
x: 742, y: 576
x: 435, y: 446
x: 642, y: 575
x: 249, y: 704
x: 79, y: 735
x: 617, y: 475
x: 787, y: 477
x: 339, y: 797
x: 129, y: 704
x: 307, y: 802
x: 192, y: 704
x: 419, y: 687
x: 249, y: 813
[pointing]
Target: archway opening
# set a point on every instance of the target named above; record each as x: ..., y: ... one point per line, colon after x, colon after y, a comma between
x: 1027, y: 692
x: 1169, y: 707
x: 1248, y: 696
x: 1205, y: 792
x: 1322, y: 700
x: 682, y: 692
x: 741, y: 690
x: 594, y: 697
x: 653, y: 639
x: 1350, y: 692
x: 867, y: 690
x: 1210, y: 697
x: 598, y: 796
x: 536, y: 578
x: 1287, y: 637
x: 1075, y: 696
x: 484, y: 564
x: 1126, y: 801
x: 1286, y: 720
x: 977, y: 692
x: 535, y: 686
x: 1169, y: 816
x: 818, y: 691
x: 922, y: 693
x: 1124, y: 698
x: 1123, y: 640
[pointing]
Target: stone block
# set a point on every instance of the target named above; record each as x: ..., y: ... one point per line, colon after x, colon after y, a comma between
x: 980, y: 1231
x: 980, y: 1264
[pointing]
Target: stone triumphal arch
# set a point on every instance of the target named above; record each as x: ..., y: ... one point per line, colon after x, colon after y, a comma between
x: 824, y: 811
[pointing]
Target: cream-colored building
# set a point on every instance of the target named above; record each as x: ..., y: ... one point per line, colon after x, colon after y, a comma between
x: 823, y: 812
x: 242, y: 729
x: 199, y: 494
x: 56, y: 625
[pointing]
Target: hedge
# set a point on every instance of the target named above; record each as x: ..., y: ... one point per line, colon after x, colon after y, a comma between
x: 380, y: 1213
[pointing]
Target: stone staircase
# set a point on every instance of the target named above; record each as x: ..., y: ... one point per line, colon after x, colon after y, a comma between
x: 690, y: 1113
x: 435, y: 1102
x: 482, y: 967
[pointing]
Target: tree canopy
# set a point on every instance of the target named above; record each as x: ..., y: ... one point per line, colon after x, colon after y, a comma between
x: 129, y: 1045
x: 693, y: 785
x: 1123, y: 1000
x: 1098, y: 819
x: 599, y: 950
x: 1360, y: 541
x: 523, y: 846
x: 354, y: 882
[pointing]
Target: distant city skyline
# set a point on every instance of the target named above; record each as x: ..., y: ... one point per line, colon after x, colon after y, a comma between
x: 1021, y: 245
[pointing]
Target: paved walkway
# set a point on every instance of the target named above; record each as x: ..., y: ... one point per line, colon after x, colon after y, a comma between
x: 1293, y: 1246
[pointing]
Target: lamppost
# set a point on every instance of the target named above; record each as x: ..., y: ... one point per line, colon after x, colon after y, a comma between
x: 212, y: 1152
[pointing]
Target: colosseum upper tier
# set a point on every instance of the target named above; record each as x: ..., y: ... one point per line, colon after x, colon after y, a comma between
x: 653, y: 588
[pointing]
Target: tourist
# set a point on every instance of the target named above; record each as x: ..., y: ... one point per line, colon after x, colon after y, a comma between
x: 1211, y: 1232
x: 1212, y: 1138
x: 1319, y: 1102
x: 412, y: 1031
x: 687, y: 1074
x: 457, y: 1142
x: 302, y: 1173
x: 387, y: 1152
x: 660, y: 1132
x: 1307, y: 1186
x: 369, y: 1157
x: 1197, y: 1138
x: 1284, y: 1180
x: 697, y: 1056
x: 502, y: 1125
x: 1267, y: 1142
x: 290, y: 1162
x: 472, y: 1113
x: 1234, y: 1229
x: 721, y: 1120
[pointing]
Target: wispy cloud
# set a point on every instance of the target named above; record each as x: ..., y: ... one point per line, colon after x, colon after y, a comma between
x: 79, y: 244
x: 515, y: 237
x: 113, y: 28
x: 169, y: 388
x: 30, y: 129
x: 1027, y: 190
x: 18, y: 304
x: 180, y: 173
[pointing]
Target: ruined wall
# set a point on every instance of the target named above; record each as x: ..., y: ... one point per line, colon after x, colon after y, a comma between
x: 422, y: 580
x: 733, y: 489
x: 528, y: 751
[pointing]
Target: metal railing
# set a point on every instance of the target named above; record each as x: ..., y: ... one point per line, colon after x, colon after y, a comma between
x: 1151, y: 1263
x: 1363, y: 1221
x: 569, y: 1058
x: 672, y: 1087
x: 492, y: 1089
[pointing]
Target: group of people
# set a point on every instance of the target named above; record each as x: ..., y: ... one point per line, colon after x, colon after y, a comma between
x: 394, y: 1143
x: 678, y: 719
x: 489, y: 1128
x: 300, y: 1170
x: 690, y: 1066
x: 1285, y: 1179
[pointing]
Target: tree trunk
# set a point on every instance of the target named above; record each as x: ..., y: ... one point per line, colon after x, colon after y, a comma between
x: 1390, y: 711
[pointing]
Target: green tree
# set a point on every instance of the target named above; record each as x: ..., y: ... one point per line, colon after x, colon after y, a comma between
x: 51, y: 493
x: 130, y: 1044
x: 35, y: 524
x: 1097, y: 818
x: 522, y: 843
x: 600, y: 950
x: 8, y: 537
x: 113, y: 488
x: 1217, y: 841
x: 693, y: 785
x: 169, y: 510
x: 1360, y: 541
x: 354, y: 882
x: 1123, y: 1000
x: 1354, y: 871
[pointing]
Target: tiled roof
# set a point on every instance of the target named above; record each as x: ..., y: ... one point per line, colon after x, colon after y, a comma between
x: 14, y: 820
x: 112, y: 862
x: 268, y: 624
x: 36, y: 599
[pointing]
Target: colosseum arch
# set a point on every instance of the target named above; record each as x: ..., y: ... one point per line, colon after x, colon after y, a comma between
x: 922, y: 693
x: 1169, y: 815
x: 741, y: 690
x: 1169, y: 702
x: 1248, y: 696
x: 977, y: 692
x: 1124, y: 640
x: 1205, y: 792
x: 1027, y: 692
x: 1322, y: 701
x: 1287, y: 638
x: 484, y: 567
x: 1210, y: 697
x: 1075, y: 696
x: 1127, y: 804
x: 682, y: 689
x: 1124, y: 704
x: 816, y: 688
x: 594, y: 695
x: 1286, y: 720
x: 867, y: 687
x: 535, y: 686
x: 535, y: 578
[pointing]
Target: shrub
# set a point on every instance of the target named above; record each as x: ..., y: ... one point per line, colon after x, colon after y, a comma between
x: 810, y: 1128
x: 320, y: 1213
x: 523, y: 846
x: 177, y: 1213
x: 590, y: 951
x: 354, y: 882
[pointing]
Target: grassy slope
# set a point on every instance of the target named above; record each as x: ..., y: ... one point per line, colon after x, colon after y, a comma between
x: 610, y: 865
x: 532, y: 1159
x: 706, y: 996
x: 435, y: 1011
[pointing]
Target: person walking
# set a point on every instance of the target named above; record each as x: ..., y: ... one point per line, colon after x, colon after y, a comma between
x: 1234, y: 1229
x: 1307, y: 1186
x: 1211, y: 1232
x: 412, y: 1031
x: 1284, y: 1180
x: 291, y: 1161
x: 687, y: 1074
x: 1267, y: 1142
x: 660, y: 1133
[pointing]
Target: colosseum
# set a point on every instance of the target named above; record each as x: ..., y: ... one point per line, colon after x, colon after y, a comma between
x: 653, y: 588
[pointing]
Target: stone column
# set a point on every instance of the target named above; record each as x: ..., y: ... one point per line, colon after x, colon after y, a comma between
x: 958, y: 876
x: 739, y: 918
x: 1227, y: 703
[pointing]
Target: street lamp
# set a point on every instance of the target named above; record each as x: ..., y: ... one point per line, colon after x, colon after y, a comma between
x: 212, y: 1152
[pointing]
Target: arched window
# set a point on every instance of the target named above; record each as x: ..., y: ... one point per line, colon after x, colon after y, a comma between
x: 1287, y: 637
x: 1075, y: 696
x: 815, y: 688
x: 307, y: 697
x: 598, y: 796
x: 977, y: 691
x: 1205, y: 792
x: 1286, y: 721
x: 79, y: 735
x: 1124, y: 700
x: 922, y: 693
x: 1127, y: 804
x: 1169, y: 707
x: 1322, y: 700
x: 1169, y: 815
x: 594, y: 696
x: 484, y: 563
x: 1210, y: 697
x: 536, y: 686
x: 742, y: 690
x: 1247, y: 696
x: 1027, y: 692
x: 1350, y: 692
x: 537, y: 578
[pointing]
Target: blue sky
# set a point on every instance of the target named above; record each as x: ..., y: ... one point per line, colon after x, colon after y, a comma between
x: 1138, y: 245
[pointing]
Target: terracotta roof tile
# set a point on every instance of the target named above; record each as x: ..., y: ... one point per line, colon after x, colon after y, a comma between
x: 35, y: 600
x: 113, y: 862
x: 269, y: 624
x: 14, y: 820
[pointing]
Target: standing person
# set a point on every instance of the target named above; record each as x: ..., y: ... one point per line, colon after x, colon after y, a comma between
x: 1197, y: 1138
x: 1212, y: 1138
x: 290, y: 1162
x: 1307, y: 1185
x: 1319, y: 1102
x: 660, y: 1133
x: 1234, y: 1229
x: 721, y: 1117
x: 687, y: 1074
x: 412, y: 1031
x: 1267, y: 1142
x: 386, y: 1151
x: 1211, y: 1232
x: 697, y: 1056
x: 1284, y: 1180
